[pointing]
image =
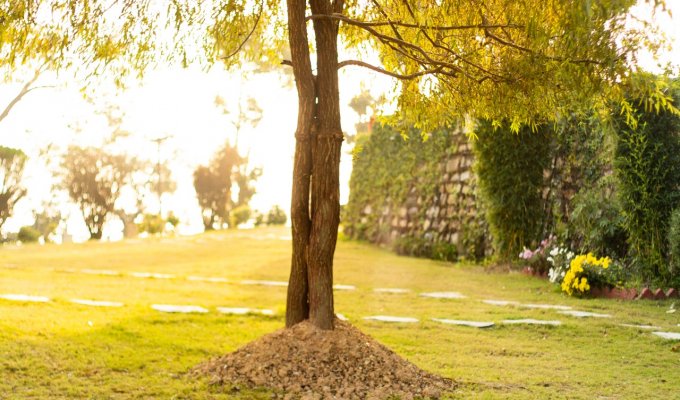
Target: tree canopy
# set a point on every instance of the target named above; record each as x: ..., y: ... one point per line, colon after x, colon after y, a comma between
x: 494, y: 59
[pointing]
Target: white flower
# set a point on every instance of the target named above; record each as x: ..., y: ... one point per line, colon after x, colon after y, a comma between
x: 555, y: 251
x: 570, y: 255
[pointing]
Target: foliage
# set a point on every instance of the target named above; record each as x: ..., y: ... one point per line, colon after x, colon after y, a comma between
x: 172, y: 219
x: 152, y: 224
x: 93, y: 179
x: 674, y: 247
x: 28, y: 234
x: 259, y: 218
x: 582, y: 157
x: 276, y: 216
x: 46, y: 222
x: 596, y: 221
x: 647, y: 167
x: 393, y: 174
x: 509, y: 168
x: 420, y: 247
x: 240, y: 215
x: 214, y: 183
x: 12, y: 162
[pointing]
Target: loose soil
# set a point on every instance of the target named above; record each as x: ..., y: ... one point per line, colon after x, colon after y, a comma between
x: 308, y: 363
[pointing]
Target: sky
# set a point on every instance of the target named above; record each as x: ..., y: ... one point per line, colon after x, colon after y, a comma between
x: 179, y: 104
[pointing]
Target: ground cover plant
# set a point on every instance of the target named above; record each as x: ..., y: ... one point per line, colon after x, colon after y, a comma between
x: 62, y: 350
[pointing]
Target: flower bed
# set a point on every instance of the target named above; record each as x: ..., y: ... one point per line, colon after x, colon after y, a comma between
x: 585, y: 275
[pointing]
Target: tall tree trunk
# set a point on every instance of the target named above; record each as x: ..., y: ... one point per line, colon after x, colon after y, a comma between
x: 325, y: 171
x: 317, y: 162
x: 297, y: 304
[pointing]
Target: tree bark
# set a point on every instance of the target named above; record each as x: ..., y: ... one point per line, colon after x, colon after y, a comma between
x: 317, y: 166
x: 297, y: 304
x: 326, y: 171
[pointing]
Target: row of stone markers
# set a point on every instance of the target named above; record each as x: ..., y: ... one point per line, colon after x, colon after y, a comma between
x: 565, y: 310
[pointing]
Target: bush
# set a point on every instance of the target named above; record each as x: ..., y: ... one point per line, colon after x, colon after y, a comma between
x: 259, y: 218
x: 276, y: 216
x: 647, y: 166
x: 239, y: 215
x: 674, y: 248
x: 596, y: 222
x: 172, y: 219
x: 509, y: 168
x: 28, y: 234
x: 152, y: 224
x: 421, y: 247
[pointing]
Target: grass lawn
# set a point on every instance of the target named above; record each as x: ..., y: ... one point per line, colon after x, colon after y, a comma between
x: 61, y: 350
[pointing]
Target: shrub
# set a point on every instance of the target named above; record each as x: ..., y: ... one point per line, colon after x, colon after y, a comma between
x: 509, y: 168
x: 259, y: 218
x: 597, y: 223
x: 239, y: 215
x: 421, y: 247
x: 172, y: 219
x: 152, y: 224
x: 674, y: 248
x: 28, y: 234
x: 647, y: 166
x: 276, y: 216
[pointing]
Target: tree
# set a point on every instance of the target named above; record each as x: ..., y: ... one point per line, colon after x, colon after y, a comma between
x: 214, y: 184
x: 93, y: 179
x: 522, y: 61
x: 46, y: 221
x: 276, y: 216
x: 12, y: 162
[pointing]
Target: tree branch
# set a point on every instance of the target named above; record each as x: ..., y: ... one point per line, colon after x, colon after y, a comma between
x: 243, y: 43
x: 356, y: 22
x: 388, y: 73
x: 24, y: 91
x: 489, y: 34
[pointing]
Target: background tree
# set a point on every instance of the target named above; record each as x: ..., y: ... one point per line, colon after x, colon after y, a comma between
x: 47, y: 221
x: 276, y: 216
x: 12, y: 162
x: 93, y: 179
x: 214, y: 184
x: 365, y: 105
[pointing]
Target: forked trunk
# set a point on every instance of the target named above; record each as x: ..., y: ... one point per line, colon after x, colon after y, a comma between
x: 297, y: 304
x: 316, y: 169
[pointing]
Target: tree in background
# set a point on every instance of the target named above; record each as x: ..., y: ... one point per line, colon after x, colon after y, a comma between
x: 47, y: 221
x: 93, y: 179
x: 214, y: 183
x: 12, y: 162
x: 365, y: 105
x: 276, y: 216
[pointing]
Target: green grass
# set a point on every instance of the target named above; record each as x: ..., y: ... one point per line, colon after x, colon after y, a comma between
x: 60, y: 350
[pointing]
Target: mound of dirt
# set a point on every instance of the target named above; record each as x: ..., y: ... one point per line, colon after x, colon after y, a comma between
x: 310, y: 363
